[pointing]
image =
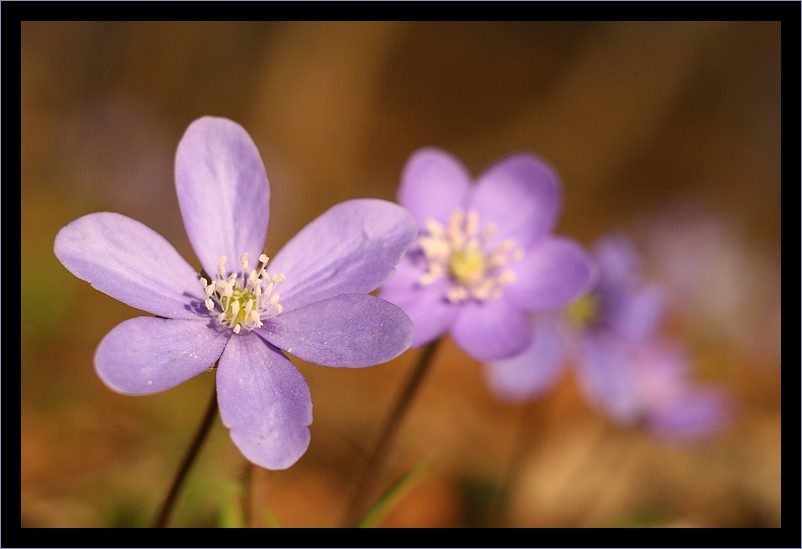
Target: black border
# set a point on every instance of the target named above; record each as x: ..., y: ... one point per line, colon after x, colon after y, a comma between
x: 12, y: 13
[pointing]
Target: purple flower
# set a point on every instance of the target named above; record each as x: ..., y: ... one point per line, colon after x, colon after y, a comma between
x: 312, y: 300
x: 623, y: 369
x: 486, y: 256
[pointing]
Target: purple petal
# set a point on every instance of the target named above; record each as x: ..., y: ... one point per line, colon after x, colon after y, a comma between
x: 431, y: 314
x: 433, y: 185
x: 532, y: 372
x: 551, y: 274
x: 130, y: 262
x: 521, y: 196
x: 351, y: 248
x: 696, y: 414
x: 147, y: 355
x: 491, y: 330
x: 223, y: 192
x: 351, y: 330
x: 618, y: 261
x: 607, y: 379
x: 636, y: 315
x: 265, y: 402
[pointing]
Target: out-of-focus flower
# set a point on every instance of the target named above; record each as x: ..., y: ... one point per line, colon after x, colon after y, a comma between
x: 611, y: 333
x: 232, y: 313
x: 486, y: 256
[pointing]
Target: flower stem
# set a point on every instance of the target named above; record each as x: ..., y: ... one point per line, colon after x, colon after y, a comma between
x: 189, y: 458
x: 356, y: 506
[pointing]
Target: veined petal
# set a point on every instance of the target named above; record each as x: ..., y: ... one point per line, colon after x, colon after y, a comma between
x: 265, y: 402
x: 521, y: 196
x: 351, y: 330
x: 532, y: 372
x: 350, y: 248
x: 130, y: 262
x: 223, y: 191
x: 551, y: 274
x: 433, y: 185
x: 491, y: 330
x: 146, y: 355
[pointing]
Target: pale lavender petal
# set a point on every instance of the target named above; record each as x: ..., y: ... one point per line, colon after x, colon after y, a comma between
x: 491, y: 330
x: 521, y: 196
x: 618, y: 261
x: 696, y: 414
x: 350, y: 248
x: 351, y: 330
x: 265, y: 402
x: 636, y: 315
x: 223, y: 192
x: 431, y: 314
x: 434, y: 185
x: 552, y: 273
x: 145, y: 355
x: 606, y: 375
x: 532, y: 372
x: 130, y: 262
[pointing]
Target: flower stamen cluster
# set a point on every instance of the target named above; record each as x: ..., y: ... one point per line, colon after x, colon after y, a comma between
x: 464, y: 252
x: 243, y: 302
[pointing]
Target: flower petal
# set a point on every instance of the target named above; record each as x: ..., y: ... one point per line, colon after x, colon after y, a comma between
x: 130, y: 262
x: 351, y: 330
x: 696, y: 414
x: 551, y: 274
x: 431, y: 314
x: 607, y: 379
x: 491, y: 330
x: 532, y: 372
x: 636, y: 315
x: 146, y: 355
x: 350, y: 248
x: 265, y: 402
x: 223, y: 192
x: 521, y: 196
x: 434, y: 184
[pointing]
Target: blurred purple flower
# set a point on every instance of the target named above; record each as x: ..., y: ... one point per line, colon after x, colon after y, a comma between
x: 232, y: 312
x: 622, y: 367
x: 486, y: 255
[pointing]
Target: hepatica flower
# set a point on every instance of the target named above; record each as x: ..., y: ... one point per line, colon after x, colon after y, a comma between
x: 311, y: 300
x: 611, y: 333
x: 485, y: 257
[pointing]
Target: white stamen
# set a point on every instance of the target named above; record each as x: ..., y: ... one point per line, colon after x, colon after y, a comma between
x: 465, y: 251
x: 242, y: 300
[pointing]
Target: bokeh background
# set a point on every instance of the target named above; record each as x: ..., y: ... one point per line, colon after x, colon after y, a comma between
x: 668, y: 132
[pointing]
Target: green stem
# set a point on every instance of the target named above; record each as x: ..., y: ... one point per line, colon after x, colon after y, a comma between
x: 356, y: 506
x: 186, y: 464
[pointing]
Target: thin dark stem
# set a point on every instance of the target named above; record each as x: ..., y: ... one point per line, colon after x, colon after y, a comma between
x: 189, y: 458
x: 356, y: 506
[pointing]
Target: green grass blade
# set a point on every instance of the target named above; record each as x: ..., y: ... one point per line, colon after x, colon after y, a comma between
x: 384, y: 504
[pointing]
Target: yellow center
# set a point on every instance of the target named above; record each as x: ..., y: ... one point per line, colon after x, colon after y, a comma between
x: 242, y: 301
x: 235, y: 314
x: 584, y: 310
x: 469, y: 255
x: 468, y: 266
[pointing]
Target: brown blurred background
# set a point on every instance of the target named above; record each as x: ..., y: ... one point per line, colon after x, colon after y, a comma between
x: 669, y: 132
